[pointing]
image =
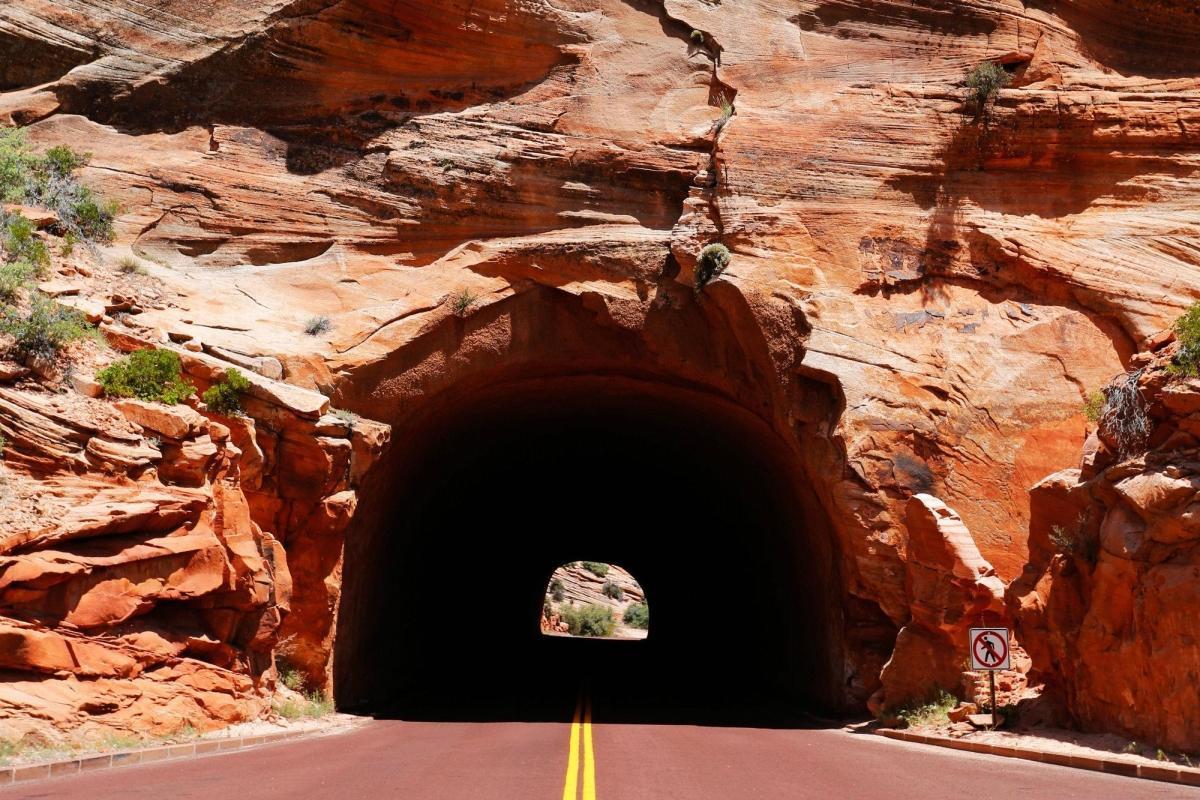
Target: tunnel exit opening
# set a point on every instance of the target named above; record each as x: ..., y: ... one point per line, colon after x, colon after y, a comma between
x: 487, y: 495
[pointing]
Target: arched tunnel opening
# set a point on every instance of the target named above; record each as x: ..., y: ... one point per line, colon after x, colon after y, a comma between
x: 484, y: 496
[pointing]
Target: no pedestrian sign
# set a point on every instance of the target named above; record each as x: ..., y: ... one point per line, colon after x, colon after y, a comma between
x: 989, y: 648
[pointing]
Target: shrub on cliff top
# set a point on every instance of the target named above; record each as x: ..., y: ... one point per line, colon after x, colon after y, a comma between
x: 713, y: 261
x: 154, y: 375
x: 44, y: 329
x: 984, y: 82
x: 225, y: 397
x: 596, y: 568
x: 1187, y: 331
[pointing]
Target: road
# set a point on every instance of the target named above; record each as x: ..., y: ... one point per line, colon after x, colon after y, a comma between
x: 587, y: 758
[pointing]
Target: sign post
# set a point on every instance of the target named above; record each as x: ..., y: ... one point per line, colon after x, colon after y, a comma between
x: 990, y: 652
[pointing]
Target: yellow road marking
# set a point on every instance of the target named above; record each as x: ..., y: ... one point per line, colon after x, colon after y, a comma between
x: 571, y: 785
x: 581, y: 723
x: 589, y: 759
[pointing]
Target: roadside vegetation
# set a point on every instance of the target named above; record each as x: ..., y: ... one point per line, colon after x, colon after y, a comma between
x: 638, y: 616
x: 933, y: 712
x: 308, y: 704
x: 588, y: 620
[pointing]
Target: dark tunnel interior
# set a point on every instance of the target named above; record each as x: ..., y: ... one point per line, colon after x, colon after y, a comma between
x: 446, y: 570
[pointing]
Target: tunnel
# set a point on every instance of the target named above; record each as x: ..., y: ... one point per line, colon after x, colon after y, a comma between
x: 486, y: 493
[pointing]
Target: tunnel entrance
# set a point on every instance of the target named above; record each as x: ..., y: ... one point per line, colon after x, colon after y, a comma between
x: 488, y: 494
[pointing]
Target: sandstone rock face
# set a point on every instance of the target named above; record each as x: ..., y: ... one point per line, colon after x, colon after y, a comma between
x: 918, y: 301
x: 1106, y: 606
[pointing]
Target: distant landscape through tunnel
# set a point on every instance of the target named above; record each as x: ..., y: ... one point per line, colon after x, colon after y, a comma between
x: 485, y: 497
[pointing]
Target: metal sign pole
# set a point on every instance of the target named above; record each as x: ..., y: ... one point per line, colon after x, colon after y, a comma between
x: 992, y: 681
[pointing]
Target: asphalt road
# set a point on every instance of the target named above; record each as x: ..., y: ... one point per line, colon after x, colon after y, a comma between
x: 508, y: 760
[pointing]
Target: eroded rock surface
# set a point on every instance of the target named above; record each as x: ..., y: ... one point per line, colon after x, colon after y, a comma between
x: 918, y: 301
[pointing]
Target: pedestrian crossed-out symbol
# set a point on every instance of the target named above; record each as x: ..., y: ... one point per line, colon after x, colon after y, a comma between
x: 989, y: 648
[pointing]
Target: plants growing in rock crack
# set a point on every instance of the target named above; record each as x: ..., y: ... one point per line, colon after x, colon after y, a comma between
x: 697, y: 38
x: 1093, y: 406
x: 315, y: 326
x: 984, y: 83
x: 1187, y: 331
x: 714, y: 259
x: 44, y: 329
x: 225, y: 397
x: 1077, y: 542
x: 1125, y: 416
x: 461, y: 301
x: 726, y: 112
x: 153, y: 375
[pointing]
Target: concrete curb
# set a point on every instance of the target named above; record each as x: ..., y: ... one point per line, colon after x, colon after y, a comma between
x: 1153, y: 772
x: 75, y: 766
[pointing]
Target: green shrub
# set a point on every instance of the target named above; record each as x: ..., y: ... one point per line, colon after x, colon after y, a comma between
x: 45, y: 329
x: 1093, y: 407
x: 638, y: 616
x: 589, y: 620
x: 713, y: 261
x: 1187, y: 331
x: 49, y: 181
x: 315, y: 326
x: 596, y: 568
x: 1076, y: 542
x: 314, y: 706
x: 613, y: 590
x: 225, y: 397
x: 933, y: 712
x: 154, y: 375
x: 462, y: 301
x: 557, y: 592
x: 698, y: 37
x: 984, y: 82
x: 21, y: 244
x: 14, y: 277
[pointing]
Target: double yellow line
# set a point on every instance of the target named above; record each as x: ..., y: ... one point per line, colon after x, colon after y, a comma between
x: 581, y: 728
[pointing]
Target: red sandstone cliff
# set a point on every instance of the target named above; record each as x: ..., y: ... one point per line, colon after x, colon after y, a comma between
x: 917, y: 303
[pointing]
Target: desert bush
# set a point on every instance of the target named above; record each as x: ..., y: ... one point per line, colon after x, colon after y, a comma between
x: 1125, y: 414
x: 14, y: 277
x: 596, y: 568
x: 932, y: 712
x: 461, y: 302
x: 129, y: 265
x: 21, y: 244
x: 613, y: 590
x: 1093, y: 407
x: 225, y: 397
x: 315, y: 326
x: 1187, y: 331
x: 638, y: 616
x: 557, y: 592
x: 698, y: 37
x: 49, y: 181
x: 44, y: 329
x: 1076, y: 542
x: 713, y: 260
x: 314, y: 705
x: 589, y: 620
x: 154, y: 375
x: 984, y: 82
